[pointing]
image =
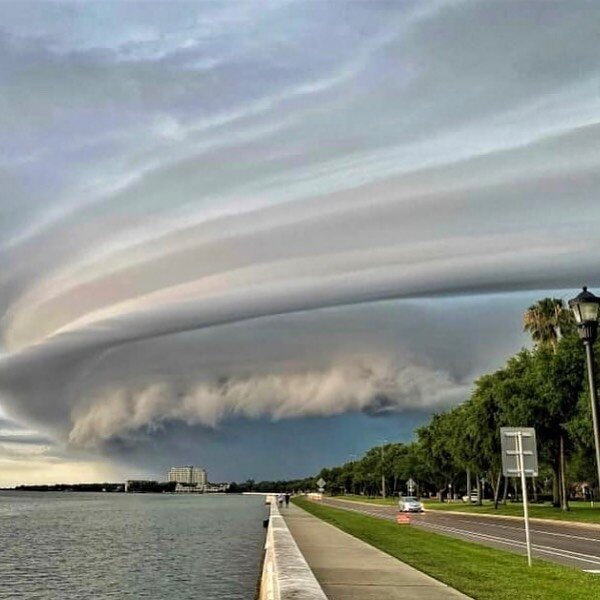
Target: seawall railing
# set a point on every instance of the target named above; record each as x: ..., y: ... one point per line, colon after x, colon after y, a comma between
x: 286, y: 574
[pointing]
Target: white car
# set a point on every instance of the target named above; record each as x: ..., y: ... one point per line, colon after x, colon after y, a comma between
x: 472, y: 497
x: 410, y: 504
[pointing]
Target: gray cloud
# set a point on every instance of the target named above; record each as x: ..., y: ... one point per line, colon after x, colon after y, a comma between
x: 182, y: 172
x: 353, y: 386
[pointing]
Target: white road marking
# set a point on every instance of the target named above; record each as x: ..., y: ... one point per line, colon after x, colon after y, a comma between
x: 513, y: 528
x: 577, y: 556
x: 572, y: 555
x: 540, y: 531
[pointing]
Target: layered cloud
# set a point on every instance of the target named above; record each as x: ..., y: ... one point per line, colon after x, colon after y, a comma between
x: 172, y: 170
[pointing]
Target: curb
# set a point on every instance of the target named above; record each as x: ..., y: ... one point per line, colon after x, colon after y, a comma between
x: 286, y: 574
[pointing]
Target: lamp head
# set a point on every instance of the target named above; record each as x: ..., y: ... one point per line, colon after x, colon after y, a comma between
x: 585, y: 307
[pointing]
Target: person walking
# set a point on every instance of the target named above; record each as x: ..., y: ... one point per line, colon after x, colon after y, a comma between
x: 280, y: 499
x: 287, y: 499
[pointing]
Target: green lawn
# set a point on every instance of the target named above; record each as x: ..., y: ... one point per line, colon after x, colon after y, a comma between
x: 580, y: 511
x: 480, y: 572
x: 369, y: 500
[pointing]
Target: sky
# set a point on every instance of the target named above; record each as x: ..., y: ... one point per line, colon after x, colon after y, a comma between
x: 262, y: 237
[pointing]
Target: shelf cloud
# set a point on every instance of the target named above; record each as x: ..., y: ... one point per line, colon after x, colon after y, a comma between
x: 375, y: 387
x: 219, y: 211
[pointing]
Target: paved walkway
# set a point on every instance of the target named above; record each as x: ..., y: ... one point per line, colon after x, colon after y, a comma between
x: 349, y: 569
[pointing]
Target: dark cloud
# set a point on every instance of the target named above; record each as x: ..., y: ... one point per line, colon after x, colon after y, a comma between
x: 262, y: 449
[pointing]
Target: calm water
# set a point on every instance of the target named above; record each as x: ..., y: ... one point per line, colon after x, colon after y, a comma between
x: 79, y: 546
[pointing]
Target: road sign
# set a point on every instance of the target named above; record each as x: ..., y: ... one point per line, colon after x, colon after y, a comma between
x: 519, y: 458
x: 321, y: 483
x: 510, y: 451
x: 410, y: 484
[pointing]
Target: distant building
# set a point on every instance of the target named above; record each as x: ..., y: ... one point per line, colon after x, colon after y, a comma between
x: 190, y: 475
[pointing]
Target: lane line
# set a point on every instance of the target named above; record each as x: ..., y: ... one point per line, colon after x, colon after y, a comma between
x: 540, y: 531
x: 508, y: 527
x: 487, y: 521
x: 576, y: 556
x: 562, y: 552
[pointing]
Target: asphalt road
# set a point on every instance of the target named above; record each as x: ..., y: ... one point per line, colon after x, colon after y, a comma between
x: 573, y: 545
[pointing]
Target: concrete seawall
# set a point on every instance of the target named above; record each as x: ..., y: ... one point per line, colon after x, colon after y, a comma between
x: 286, y: 574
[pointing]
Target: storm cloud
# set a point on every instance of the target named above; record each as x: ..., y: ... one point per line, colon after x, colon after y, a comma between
x: 223, y: 211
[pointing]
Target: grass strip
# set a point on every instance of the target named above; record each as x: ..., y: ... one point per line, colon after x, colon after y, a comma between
x: 480, y: 572
x: 579, y: 512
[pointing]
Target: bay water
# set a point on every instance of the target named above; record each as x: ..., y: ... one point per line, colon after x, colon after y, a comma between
x: 63, y: 545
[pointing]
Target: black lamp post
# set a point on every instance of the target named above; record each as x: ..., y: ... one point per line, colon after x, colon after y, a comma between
x: 585, y: 308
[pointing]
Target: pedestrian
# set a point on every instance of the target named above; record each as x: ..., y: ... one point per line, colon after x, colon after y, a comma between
x: 280, y: 499
x: 287, y: 499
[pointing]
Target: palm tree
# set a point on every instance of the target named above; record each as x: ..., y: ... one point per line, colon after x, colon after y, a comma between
x: 546, y: 321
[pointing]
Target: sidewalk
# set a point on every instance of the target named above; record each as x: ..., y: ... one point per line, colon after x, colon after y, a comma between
x: 349, y: 569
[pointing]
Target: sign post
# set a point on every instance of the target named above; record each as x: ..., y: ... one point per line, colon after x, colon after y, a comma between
x: 519, y: 458
x: 410, y: 484
x: 321, y: 483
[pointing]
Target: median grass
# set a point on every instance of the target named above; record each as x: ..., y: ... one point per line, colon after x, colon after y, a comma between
x: 478, y: 571
x: 391, y: 501
x: 579, y: 511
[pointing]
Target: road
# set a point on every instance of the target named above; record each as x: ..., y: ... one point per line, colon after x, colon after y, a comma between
x: 567, y: 544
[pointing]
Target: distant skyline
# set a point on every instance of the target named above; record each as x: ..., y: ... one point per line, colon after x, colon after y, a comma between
x: 261, y: 237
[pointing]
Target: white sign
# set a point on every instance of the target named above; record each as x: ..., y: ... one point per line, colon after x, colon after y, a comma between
x: 519, y: 458
x: 511, y: 458
x: 321, y: 483
x: 411, y: 485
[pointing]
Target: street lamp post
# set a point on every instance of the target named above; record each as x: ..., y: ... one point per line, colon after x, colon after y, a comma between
x: 585, y: 309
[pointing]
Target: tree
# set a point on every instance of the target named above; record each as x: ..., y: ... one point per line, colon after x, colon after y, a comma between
x: 435, y: 441
x: 581, y: 432
x: 463, y: 444
x: 482, y: 422
x: 546, y: 321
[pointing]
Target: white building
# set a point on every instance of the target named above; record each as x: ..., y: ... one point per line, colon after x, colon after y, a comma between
x: 189, y: 475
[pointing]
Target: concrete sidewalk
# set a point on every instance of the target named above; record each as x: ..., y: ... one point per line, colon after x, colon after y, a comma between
x: 349, y: 569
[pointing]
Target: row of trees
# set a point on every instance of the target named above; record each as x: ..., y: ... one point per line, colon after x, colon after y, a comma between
x: 280, y: 485
x: 543, y: 387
